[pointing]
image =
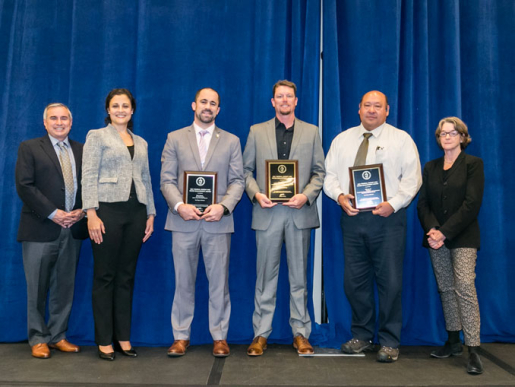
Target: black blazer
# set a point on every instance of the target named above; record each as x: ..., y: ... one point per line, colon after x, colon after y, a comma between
x: 40, y: 185
x: 452, y: 204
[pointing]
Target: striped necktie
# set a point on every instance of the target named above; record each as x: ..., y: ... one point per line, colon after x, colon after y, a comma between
x: 66, y: 166
x: 202, y: 147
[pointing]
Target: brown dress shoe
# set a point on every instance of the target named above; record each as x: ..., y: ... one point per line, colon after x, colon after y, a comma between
x: 178, y: 348
x: 65, y: 346
x: 41, y: 351
x: 301, y: 344
x: 220, y: 348
x: 257, y: 347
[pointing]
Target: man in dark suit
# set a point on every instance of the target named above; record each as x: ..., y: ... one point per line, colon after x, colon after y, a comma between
x: 201, y: 146
x: 48, y: 174
x: 283, y: 137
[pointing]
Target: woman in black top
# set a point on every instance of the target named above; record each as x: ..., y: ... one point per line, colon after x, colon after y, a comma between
x: 448, y: 206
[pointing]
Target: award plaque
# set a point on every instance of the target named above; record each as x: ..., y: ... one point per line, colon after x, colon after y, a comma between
x: 282, y: 181
x: 367, y: 185
x: 199, y: 189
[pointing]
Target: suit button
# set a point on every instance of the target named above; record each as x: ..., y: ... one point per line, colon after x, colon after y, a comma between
x: 445, y: 212
x: 444, y: 197
x: 444, y: 183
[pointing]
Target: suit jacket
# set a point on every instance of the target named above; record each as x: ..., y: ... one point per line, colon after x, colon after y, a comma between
x: 40, y: 185
x: 223, y: 156
x: 306, y: 147
x: 452, y: 204
x: 108, y: 170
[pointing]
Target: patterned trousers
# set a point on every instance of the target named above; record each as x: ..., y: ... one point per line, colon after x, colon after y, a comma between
x: 455, y: 274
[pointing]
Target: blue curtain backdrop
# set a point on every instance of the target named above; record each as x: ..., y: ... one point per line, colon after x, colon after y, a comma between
x: 432, y: 59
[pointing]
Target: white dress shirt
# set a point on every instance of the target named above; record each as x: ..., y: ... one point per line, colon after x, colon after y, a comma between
x: 392, y: 147
x: 207, y: 136
x: 207, y: 141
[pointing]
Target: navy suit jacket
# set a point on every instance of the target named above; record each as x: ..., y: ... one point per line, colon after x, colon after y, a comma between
x: 451, y: 204
x: 40, y: 185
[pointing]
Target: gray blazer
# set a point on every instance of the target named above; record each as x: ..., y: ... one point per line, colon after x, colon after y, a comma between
x: 223, y: 156
x: 108, y: 171
x: 306, y: 147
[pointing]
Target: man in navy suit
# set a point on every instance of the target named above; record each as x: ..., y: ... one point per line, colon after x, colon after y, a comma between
x: 48, y: 175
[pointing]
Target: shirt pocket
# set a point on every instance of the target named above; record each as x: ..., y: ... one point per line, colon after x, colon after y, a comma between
x: 106, y: 180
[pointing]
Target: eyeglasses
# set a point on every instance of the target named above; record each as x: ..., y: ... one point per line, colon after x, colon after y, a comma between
x: 454, y: 133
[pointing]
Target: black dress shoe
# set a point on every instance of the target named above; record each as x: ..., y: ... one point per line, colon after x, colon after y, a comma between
x: 448, y: 350
x: 474, y: 366
x: 105, y: 355
x: 130, y: 352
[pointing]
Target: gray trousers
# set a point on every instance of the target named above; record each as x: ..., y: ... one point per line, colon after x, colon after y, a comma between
x: 50, y: 270
x: 215, y: 250
x: 269, y: 245
x: 455, y: 274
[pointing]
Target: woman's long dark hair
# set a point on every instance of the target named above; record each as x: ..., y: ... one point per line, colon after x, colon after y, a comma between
x: 110, y: 96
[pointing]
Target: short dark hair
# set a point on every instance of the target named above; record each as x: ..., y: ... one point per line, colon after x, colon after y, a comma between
x: 207, y: 88
x: 286, y: 83
x: 459, y: 126
x: 129, y: 95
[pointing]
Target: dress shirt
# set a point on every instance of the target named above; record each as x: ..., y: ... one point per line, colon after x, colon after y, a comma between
x: 207, y: 140
x: 392, y: 147
x: 207, y: 136
x: 284, y: 138
x: 57, y: 150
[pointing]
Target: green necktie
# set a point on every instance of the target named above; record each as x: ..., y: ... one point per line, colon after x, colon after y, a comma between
x: 361, y: 156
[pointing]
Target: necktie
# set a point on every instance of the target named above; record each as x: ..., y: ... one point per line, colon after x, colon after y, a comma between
x: 202, y: 148
x: 66, y: 166
x: 361, y: 156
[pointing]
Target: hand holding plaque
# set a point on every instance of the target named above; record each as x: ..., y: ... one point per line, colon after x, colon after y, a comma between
x: 367, y: 186
x: 200, y: 189
x: 282, y: 181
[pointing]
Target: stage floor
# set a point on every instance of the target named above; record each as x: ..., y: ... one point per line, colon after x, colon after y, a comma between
x: 280, y: 366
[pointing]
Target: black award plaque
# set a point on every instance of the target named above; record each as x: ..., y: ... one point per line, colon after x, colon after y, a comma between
x: 367, y: 185
x: 199, y: 189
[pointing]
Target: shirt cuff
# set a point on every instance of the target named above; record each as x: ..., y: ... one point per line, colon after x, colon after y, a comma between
x: 51, y: 216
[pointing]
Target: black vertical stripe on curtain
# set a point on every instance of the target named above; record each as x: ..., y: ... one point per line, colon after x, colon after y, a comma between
x: 163, y: 51
x: 432, y: 59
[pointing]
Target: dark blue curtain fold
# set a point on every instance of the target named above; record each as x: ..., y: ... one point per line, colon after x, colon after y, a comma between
x: 432, y: 59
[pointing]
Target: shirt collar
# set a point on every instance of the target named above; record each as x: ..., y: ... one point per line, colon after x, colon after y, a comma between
x: 375, y: 132
x: 278, y: 123
x: 198, y: 129
x: 55, y: 141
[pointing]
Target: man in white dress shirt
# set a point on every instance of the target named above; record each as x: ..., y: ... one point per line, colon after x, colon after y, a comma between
x: 374, y: 241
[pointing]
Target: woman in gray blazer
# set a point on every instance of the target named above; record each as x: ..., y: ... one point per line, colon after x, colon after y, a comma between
x: 448, y: 206
x: 118, y: 199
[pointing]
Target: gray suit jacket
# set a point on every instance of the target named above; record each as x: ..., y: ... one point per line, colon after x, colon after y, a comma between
x: 223, y: 156
x: 108, y: 171
x: 306, y: 147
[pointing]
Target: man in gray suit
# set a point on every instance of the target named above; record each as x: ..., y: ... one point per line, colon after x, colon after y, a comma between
x: 201, y: 147
x: 48, y: 181
x: 283, y: 137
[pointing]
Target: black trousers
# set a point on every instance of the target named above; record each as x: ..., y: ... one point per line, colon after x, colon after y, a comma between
x: 115, y: 267
x: 374, y: 249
